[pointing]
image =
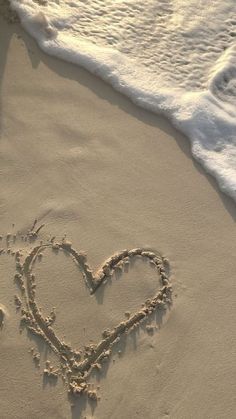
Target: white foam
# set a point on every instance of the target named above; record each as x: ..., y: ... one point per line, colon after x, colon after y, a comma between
x: 174, y: 57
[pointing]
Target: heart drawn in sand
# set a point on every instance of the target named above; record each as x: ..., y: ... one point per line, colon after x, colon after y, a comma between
x: 77, y: 364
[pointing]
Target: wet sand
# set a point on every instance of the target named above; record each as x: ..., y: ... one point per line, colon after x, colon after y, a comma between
x: 104, y: 175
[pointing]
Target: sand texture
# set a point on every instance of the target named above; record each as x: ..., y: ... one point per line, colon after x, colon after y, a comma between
x: 117, y: 254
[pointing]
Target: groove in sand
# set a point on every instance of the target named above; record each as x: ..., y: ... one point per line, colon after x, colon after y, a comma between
x: 78, y: 364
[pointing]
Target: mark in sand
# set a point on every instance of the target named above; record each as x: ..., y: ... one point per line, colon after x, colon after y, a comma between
x: 76, y: 365
x: 2, y: 316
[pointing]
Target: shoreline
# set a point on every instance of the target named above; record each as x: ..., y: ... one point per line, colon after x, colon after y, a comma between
x: 202, y: 115
x: 85, y: 161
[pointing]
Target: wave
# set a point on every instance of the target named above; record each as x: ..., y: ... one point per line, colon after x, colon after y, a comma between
x: 172, y: 57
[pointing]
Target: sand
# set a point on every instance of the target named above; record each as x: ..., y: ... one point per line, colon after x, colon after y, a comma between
x: 103, y: 177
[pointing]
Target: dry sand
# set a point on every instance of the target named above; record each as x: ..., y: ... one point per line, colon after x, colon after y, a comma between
x: 84, y: 161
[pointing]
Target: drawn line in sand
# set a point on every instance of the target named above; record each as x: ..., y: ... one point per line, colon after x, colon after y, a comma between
x: 77, y: 365
x: 2, y: 316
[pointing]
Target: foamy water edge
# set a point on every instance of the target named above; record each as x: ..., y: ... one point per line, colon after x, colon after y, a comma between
x: 206, y: 117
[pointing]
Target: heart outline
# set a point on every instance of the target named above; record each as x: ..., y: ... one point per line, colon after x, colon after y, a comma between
x: 78, y: 370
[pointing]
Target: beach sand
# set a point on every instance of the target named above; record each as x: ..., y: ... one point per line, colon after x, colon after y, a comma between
x: 83, y: 160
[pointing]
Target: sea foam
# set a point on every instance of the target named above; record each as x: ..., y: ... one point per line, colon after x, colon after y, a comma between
x: 169, y: 56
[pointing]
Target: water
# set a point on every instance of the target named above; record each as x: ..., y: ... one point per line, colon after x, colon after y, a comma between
x: 176, y: 57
